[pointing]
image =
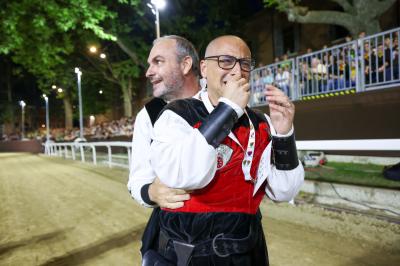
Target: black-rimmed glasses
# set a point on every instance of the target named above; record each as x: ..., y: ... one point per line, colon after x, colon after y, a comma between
x: 228, y: 62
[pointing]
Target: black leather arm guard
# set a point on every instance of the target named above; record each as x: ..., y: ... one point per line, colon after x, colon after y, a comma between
x: 144, y: 192
x: 284, y: 152
x: 219, y: 124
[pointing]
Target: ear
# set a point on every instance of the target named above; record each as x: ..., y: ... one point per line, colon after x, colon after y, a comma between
x: 203, y: 68
x: 186, y: 65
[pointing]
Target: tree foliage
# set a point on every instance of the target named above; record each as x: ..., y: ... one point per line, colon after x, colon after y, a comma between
x: 38, y: 34
x: 355, y: 15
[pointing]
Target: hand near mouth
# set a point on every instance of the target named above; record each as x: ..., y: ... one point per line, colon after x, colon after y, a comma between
x: 237, y: 89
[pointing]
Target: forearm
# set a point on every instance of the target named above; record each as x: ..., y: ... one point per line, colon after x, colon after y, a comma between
x: 180, y: 155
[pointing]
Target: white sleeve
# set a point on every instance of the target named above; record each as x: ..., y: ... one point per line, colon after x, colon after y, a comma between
x: 141, y: 172
x: 283, y: 185
x: 180, y: 155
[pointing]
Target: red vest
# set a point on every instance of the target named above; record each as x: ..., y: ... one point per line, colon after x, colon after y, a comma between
x: 229, y: 191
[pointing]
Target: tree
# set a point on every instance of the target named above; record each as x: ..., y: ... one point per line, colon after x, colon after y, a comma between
x: 356, y: 15
x: 40, y: 36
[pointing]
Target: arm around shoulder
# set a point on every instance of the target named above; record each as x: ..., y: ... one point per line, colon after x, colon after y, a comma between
x: 180, y: 155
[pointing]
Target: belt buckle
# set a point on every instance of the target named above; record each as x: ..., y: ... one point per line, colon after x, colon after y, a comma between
x: 214, y: 246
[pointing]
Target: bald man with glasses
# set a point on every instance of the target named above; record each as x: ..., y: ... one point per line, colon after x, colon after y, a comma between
x: 229, y: 157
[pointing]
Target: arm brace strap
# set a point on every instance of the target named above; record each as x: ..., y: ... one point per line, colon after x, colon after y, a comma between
x: 218, y: 124
x: 144, y: 192
x: 284, y: 152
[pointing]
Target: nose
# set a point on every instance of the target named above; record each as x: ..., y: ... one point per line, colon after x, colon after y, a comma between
x: 149, y: 71
x: 236, y: 70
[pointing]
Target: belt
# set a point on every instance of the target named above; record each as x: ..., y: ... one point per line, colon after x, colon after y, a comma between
x: 219, y: 245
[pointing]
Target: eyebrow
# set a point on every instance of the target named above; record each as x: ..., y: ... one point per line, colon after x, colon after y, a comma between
x: 157, y: 57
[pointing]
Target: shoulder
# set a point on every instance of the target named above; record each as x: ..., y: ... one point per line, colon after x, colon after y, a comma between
x: 142, y: 116
x: 154, y: 108
x: 190, y: 109
x: 183, y: 103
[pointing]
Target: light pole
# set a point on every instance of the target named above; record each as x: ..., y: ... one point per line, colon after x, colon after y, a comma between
x: 156, y: 5
x: 22, y: 104
x: 46, y: 99
x: 78, y: 75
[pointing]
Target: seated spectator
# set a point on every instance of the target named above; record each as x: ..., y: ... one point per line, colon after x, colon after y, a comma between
x: 305, y: 78
x: 380, y: 63
x: 282, y: 80
x: 268, y: 77
x: 319, y: 75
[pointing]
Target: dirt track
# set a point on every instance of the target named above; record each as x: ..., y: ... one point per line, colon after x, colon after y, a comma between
x: 57, y: 212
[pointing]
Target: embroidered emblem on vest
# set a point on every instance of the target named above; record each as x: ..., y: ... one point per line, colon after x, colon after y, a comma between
x: 224, y: 154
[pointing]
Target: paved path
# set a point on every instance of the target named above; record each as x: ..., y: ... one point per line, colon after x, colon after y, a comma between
x: 60, y: 212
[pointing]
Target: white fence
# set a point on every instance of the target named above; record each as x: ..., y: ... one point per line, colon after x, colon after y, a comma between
x: 78, y: 149
x: 87, y: 151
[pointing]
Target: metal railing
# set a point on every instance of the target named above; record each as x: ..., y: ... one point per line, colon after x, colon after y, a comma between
x: 87, y: 151
x: 279, y: 74
x: 364, y: 64
x: 75, y: 150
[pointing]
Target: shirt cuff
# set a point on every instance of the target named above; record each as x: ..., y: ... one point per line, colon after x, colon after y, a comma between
x: 275, y: 134
x: 144, y: 192
x: 239, y: 111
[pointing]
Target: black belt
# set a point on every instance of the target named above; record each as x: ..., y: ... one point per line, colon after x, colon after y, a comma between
x: 219, y: 245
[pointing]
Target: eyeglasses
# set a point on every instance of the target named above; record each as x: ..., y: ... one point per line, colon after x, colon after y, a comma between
x: 228, y: 62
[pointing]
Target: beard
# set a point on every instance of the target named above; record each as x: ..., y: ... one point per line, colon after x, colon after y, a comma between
x: 170, y: 87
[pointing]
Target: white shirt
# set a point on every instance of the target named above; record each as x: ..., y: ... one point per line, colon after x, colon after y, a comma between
x: 141, y: 172
x: 182, y: 158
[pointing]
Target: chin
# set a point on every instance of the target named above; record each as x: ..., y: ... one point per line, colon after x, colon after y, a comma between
x: 158, y: 92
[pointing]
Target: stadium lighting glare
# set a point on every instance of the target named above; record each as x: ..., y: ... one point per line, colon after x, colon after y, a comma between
x: 160, y: 4
x: 156, y: 5
x: 59, y: 90
x: 77, y: 71
x: 93, y: 49
x: 78, y: 76
x: 101, y: 91
x: 22, y: 104
x: 54, y: 87
x: 46, y: 99
x: 103, y: 56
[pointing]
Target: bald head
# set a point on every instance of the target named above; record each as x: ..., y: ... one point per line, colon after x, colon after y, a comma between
x: 227, y: 58
x: 214, y: 47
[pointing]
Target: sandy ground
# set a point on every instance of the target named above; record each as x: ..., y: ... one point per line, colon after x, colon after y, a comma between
x: 59, y: 212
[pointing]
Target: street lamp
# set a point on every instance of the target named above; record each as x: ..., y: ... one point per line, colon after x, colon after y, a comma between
x: 156, y: 5
x: 46, y: 99
x: 22, y: 104
x: 93, y: 49
x: 78, y: 75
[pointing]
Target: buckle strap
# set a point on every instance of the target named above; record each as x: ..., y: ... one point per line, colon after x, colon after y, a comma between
x: 219, y: 245
x: 225, y: 246
x: 183, y: 252
x: 284, y: 152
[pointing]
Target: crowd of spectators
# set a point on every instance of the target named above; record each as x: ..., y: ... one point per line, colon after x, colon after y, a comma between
x: 335, y: 68
x: 101, y: 131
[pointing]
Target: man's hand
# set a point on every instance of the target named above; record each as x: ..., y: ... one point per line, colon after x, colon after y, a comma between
x: 237, y: 90
x: 167, y: 197
x: 281, y: 109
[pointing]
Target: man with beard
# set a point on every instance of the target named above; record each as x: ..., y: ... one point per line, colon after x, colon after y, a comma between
x: 173, y: 71
x: 229, y: 156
